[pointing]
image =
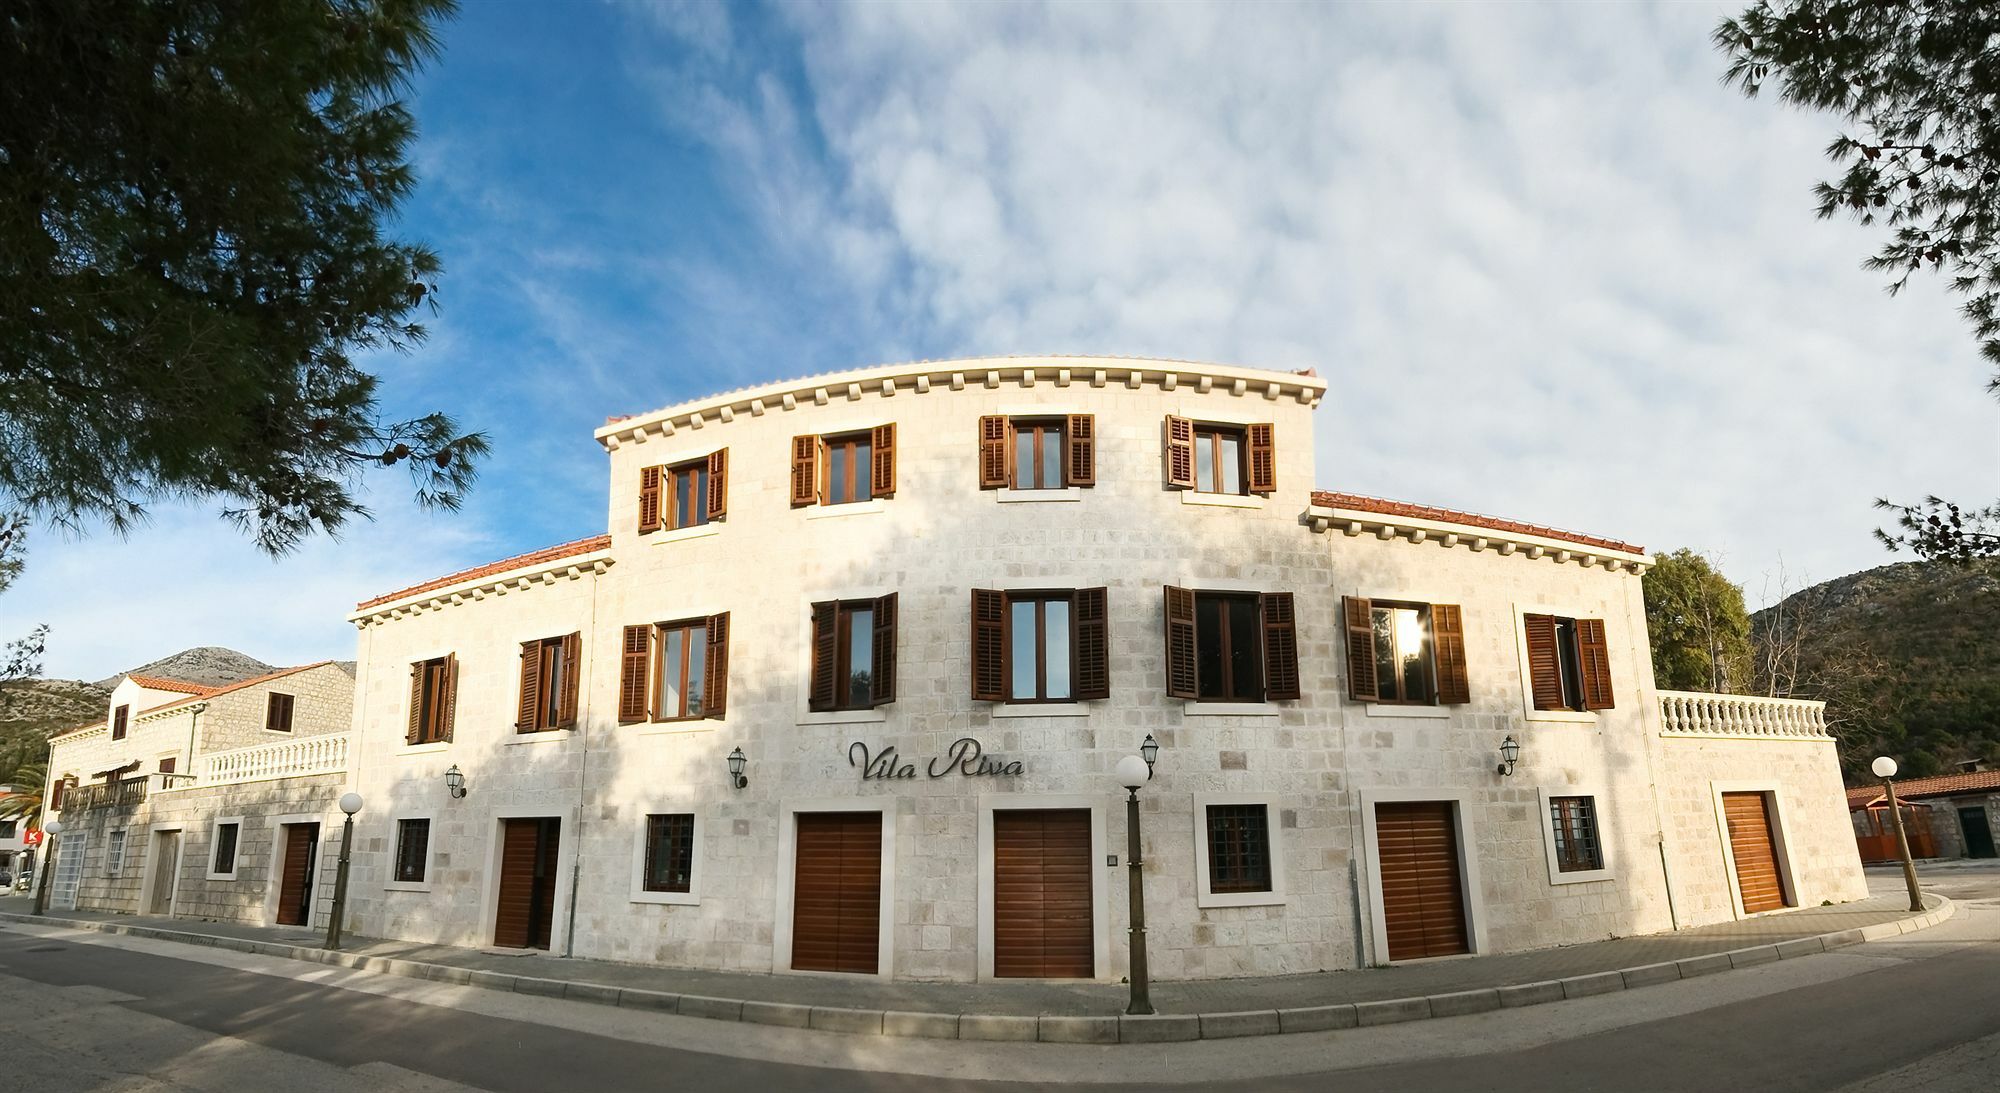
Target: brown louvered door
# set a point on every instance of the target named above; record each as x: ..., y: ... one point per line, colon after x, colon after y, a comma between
x: 527, y: 883
x: 1041, y: 894
x: 295, y: 879
x: 1750, y: 841
x: 837, y: 892
x: 1423, y: 905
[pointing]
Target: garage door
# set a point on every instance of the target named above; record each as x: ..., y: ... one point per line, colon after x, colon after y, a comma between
x: 837, y: 892
x: 1751, y: 844
x: 1041, y: 894
x: 1423, y: 905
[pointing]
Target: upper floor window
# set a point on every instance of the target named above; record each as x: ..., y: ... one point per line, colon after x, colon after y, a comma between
x: 1231, y: 646
x: 1037, y: 453
x: 277, y: 712
x: 120, y: 720
x: 853, y: 654
x: 433, y: 700
x: 1569, y: 667
x: 1216, y: 458
x: 550, y: 670
x: 840, y: 469
x: 1044, y: 646
x: 675, y: 671
x: 684, y: 495
x: 1408, y: 654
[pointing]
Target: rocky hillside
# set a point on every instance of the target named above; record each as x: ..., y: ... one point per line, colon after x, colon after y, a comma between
x: 211, y: 665
x: 1907, y: 657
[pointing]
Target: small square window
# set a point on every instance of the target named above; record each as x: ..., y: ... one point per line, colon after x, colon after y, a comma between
x: 1239, y: 849
x: 669, y: 856
x: 1574, y: 824
x: 225, y: 848
x: 120, y: 719
x: 413, y: 841
x: 278, y: 712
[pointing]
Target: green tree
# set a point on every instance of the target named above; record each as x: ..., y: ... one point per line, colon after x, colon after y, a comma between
x: 1699, y: 627
x: 1917, y: 82
x: 193, y: 260
x: 23, y: 799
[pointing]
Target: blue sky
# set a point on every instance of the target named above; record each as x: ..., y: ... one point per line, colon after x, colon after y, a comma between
x: 1550, y: 268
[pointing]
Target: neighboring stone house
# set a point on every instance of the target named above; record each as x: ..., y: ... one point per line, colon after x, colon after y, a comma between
x: 211, y: 802
x: 1962, y: 814
x: 843, y: 687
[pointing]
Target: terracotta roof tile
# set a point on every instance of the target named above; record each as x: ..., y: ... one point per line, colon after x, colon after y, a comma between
x: 161, y: 683
x: 518, y: 561
x: 212, y: 692
x: 1357, y: 502
x: 1943, y: 785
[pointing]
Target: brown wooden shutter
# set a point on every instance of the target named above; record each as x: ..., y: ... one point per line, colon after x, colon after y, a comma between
x: 649, y: 498
x: 1080, y: 450
x: 715, y: 680
x: 1758, y: 881
x: 1180, y: 452
x: 450, y: 691
x: 805, y: 470
x: 989, y: 645
x: 1544, y: 671
x: 1281, y: 647
x: 1093, y: 644
x: 531, y: 686
x: 572, y: 654
x: 1454, y: 685
x: 1183, y: 673
x: 882, y: 681
x: 826, y: 648
x: 416, y: 704
x: 1263, y: 458
x: 718, y: 484
x: 1362, y: 682
x: 996, y: 438
x: 882, y: 461
x: 1593, y: 664
x: 634, y: 664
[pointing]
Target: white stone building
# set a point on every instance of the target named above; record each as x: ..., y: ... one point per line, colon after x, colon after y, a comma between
x: 931, y: 605
x: 205, y: 802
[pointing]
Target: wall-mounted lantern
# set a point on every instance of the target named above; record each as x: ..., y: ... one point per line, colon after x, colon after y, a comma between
x: 454, y: 781
x: 1510, y: 753
x: 1150, y: 750
x: 736, y: 761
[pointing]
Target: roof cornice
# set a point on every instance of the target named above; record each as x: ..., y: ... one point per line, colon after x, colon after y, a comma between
x: 484, y: 584
x: 1496, y: 535
x: 920, y: 377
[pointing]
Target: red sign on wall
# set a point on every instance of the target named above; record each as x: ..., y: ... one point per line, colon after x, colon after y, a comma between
x: 31, y: 837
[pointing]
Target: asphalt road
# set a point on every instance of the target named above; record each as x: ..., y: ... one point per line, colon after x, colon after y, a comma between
x: 1920, y: 1013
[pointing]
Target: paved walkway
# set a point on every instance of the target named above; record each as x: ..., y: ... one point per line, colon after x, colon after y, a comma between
x: 1029, y: 998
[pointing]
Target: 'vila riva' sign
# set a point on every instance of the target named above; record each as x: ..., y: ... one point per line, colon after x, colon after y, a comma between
x: 963, y: 757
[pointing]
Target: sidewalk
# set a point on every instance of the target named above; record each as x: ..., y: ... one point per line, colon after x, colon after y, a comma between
x: 1086, y: 1012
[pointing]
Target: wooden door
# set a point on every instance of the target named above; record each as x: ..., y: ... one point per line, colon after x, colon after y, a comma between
x: 295, y: 875
x: 1423, y: 903
x: 527, y: 883
x: 1750, y: 842
x: 837, y: 892
x: 1041, y: 894
x: 166, y: 866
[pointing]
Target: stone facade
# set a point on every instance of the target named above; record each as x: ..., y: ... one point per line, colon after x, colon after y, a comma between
x: 1319, y: 764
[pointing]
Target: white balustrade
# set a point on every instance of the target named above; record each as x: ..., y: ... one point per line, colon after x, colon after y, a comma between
x: 298, y: 758
x: 1697, y: 713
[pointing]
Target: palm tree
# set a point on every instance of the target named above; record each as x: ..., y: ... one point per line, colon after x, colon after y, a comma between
x: 22, y: 798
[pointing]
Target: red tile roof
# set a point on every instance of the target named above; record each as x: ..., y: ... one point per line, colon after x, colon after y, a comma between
x: 1357, y: 502
x: 213, y: 692
x: 160, y: 683
x: 518, y: 561
x: 1943, y: 785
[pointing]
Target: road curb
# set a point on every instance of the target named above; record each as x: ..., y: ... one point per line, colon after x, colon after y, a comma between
x: 1070, y: 1029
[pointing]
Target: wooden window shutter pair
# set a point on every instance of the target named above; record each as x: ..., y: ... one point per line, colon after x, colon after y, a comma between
x: 809, y: 457
x: 1090, y: 632
x: 1179, y: 434
x: 416, y: 726
x: 1262, y: 456
x: 527, y: 712
x: 1593, y: 664
x: 444, y: 689
x: 649, y: 498
x: 534, y: 686
x: 1544, y: 669
x: 635, y: 659
x: 824, y: 691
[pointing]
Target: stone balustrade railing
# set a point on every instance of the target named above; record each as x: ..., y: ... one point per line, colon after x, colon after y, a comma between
x: 285, y: 759
x: 1697, y: 713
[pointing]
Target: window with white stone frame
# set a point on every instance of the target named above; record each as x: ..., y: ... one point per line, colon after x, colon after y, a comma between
x: 1574, y: 835
x: 114, y: 853
x: 1239, y: 860
x: 666, y: 859
x: 224, y: 847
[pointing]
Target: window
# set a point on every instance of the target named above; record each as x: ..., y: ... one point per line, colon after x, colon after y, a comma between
x: 1037, y: 453
x: 1231, y: 646
x: 169, y: 764
x: 1046, y: 646
x: 550, y: 673
x: 1239, y: 849
x: 669, y: 857
x: 845, y: 468
x: 675, y: 671
x: 413, y: 843
x: 1569, y: 667
x: 120, y: 718
x: 114, y: 853
x: 278, y: 713
x: 9, y: 828
x: 226, y: 832
x: 433, y: 695
x: 1405, y: 654
x: 684, y: 495
x: 1574, y: 821
x: 1226, y: 459
x: 854, y: 654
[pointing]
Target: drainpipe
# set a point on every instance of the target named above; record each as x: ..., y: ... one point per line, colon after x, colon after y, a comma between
x: 194, y: 718
x: 583, y: 774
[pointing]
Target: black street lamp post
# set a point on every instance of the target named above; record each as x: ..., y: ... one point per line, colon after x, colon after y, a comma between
x: 1133, y: 772
x: 350, y: 803
x: 1885, y: 769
